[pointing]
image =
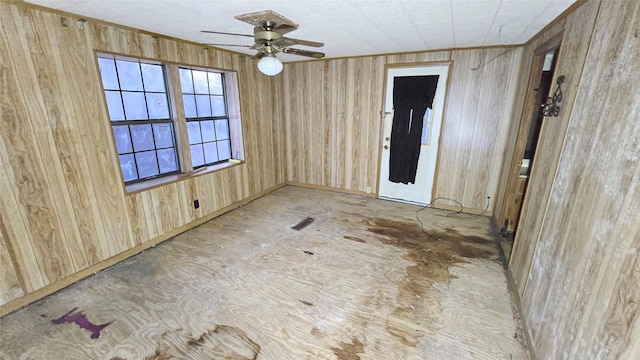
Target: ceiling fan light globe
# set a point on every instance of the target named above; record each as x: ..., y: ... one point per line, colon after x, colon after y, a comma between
x: 270, y: 65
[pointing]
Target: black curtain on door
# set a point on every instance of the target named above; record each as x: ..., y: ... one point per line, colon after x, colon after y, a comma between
x: 412, y: 95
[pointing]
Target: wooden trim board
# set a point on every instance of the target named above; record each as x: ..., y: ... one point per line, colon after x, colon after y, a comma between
x: 103, y: 265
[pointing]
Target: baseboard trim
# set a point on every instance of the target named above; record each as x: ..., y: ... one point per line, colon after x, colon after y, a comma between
x: 105, y: 264
x: 329, y: 188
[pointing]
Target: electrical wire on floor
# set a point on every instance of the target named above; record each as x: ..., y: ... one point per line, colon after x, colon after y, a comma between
x: 459, y: 215
x: 455, y: 214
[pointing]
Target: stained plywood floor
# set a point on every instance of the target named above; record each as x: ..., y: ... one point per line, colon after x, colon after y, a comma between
x: 360, y: 282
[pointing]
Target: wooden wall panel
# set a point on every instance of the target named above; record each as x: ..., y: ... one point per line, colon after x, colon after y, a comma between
x: 25, y: 161
x: 10, y: 287
x: 421, y: 57
x: 583, y: 290
x: 332, y: 114
x: 65, y: 207
x: 476, y: 124
x: 333, y: 121
x: 573, y: 51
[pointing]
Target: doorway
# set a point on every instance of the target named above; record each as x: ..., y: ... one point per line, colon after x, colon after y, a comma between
x: 539, y: 88
x: 411, y: 132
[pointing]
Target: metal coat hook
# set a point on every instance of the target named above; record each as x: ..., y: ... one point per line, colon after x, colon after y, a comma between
x: 551, y: 108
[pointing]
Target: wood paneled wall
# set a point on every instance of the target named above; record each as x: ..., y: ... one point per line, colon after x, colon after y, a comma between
x: 334, y: 124
x: 63, y: 204
x: 575, y: 261
x: 10, y: 287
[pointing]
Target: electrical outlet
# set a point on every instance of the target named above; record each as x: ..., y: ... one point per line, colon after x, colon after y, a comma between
x: 368, y: 189
x: 196, y: 203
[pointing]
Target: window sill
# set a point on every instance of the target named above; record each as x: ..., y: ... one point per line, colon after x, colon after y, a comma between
x: 153, y: 183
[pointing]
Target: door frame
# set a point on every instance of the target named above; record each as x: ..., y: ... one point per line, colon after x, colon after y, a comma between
x: 526, y: 117
x: 382, y: 116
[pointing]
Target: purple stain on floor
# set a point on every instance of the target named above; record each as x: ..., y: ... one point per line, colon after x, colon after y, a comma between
x: 81, y: 320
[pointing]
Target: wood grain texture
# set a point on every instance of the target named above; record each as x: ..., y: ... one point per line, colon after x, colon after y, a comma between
x: 65, y: 208
x: 476, y: 123
x: 332, y: 114
x: 361, y: 282
x: 570, y: 63
x: 10, y: 287
x: 581, y: 298
x: 333, y: 121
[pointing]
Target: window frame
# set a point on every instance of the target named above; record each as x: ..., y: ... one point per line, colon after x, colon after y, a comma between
x: 140, y: 122
x: 214, y: 118
x: 231, y: 89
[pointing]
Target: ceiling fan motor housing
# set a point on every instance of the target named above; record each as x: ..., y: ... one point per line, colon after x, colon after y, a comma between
x: 265, y: 33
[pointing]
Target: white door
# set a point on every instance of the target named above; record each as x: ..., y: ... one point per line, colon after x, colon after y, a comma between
x: 420, y: 191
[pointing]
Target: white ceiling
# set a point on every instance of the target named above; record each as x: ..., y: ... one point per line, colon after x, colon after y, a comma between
x: 348, y: 28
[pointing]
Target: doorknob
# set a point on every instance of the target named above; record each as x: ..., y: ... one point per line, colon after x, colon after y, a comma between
x: 387, y: 138
x: 386, y: 147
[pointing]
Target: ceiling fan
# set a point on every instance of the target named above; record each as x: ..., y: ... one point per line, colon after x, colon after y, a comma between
x: 269, y: 38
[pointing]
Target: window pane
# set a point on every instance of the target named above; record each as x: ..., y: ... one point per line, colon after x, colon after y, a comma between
x: 197, y: 158
x: 163, y: 133
x: 158, y: 107
x: 215, y: 83
x: 134, y: 105
x: 193, y: 129
x: 128, y: 167
x: 142, y: 137
x: 204, y: 107
x: 147, y: 164
x: 222, y: 129
x: 217, y: 103
x: 224, y: 150
x: 167, y: 160
x: 114, y: 104
x: 189, y: 106
x: 108, y: 73
x: 210, y: 152
x: 208, y: 132
x: 129, y: 75
x: 153, y: 77
x: 123, y: 140
x: 200, y: 82
x: 186, y: 83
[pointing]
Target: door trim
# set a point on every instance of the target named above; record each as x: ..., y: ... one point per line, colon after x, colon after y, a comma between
x: 387, y: 67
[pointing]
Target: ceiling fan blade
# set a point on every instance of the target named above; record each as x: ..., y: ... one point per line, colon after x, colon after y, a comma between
x: 305, y: 42
x: 247, y: 46
x: 284, y: 42
x: 225, y: 33
x: 313, y: 54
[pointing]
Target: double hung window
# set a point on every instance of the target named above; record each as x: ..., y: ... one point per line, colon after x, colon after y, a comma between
x: 205, y: 110
x: 138, y: 105
x: 141, y: 108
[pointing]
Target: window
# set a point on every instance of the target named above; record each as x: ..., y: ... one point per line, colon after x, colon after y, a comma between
x: 427, y: 121
x: 138, y: 107
x: 205, y: 109
x: 152, y: 137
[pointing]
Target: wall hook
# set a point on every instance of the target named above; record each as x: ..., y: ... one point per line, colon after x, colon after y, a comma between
x: 551, y: 108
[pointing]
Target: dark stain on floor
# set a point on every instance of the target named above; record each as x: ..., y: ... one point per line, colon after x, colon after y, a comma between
x: 356, y: 239
x: 80, y: 319
x: 432, y: 254
x: 349, y: 351
x: 223, y: 342
x: 308, y: 252
x: 306, y: 302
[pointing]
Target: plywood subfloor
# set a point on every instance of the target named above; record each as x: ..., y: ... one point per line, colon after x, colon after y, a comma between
x: 362, y: 281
